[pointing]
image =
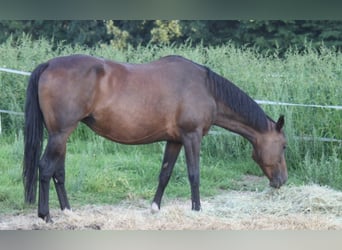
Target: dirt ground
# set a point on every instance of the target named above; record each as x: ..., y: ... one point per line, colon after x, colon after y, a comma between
x: 291, y: 207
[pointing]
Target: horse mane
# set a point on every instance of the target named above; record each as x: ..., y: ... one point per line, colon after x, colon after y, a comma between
x: 232, y: 96
x: 237, y: 100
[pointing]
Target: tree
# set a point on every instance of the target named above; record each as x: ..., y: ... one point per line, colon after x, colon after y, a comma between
x: 87, y: 33
x: 267, y: 36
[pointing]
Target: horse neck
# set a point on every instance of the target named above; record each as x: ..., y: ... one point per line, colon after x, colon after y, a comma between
x: 231, y: 121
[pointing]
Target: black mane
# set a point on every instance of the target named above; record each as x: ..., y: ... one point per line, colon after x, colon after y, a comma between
x: 237, y: 100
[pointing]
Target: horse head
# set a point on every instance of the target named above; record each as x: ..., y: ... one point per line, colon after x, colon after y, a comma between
x: 269, y: 153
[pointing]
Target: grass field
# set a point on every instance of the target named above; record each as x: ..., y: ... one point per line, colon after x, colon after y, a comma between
x: 99, y: 171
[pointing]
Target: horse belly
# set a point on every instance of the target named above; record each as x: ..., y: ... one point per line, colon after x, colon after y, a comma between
x: 132, y: 129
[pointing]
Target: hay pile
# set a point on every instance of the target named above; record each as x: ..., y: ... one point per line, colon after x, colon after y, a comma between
x: 304, y: 207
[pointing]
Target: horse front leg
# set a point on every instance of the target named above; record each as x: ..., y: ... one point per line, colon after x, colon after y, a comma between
x: 171, y: 153
x: 192, y: 144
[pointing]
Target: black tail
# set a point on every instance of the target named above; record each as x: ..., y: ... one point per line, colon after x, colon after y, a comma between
x: 33, y: 135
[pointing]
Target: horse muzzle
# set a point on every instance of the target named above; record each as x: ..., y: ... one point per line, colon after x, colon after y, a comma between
x: 277, y: 182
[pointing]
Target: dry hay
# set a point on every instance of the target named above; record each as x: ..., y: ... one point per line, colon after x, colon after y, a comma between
x: 291, y: 207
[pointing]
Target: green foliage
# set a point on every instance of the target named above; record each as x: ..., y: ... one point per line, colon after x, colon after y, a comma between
x: 11, y: 188
x: 165, y: 31
x: 85, y: 33
x: 267, y: 36
x: 119, y: 37
x: 142, y: 32
x: 282, y: 35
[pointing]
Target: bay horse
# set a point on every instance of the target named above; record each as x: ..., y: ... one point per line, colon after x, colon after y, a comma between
x: 171, y: 99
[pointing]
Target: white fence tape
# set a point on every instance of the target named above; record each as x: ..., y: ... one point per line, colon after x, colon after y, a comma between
x: 15, y: 71
x: 298, y: 105
x: 300, y: 138
x: 11, y: 112
x: 257, y: 101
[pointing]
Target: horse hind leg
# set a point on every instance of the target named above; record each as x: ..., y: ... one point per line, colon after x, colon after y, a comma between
x: 59, y: 180
x: 52, y: 165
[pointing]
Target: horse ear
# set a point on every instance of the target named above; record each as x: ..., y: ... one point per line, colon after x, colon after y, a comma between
x: 280, y: 123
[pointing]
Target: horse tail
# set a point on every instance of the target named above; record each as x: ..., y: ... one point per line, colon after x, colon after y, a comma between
x: 33, y: 135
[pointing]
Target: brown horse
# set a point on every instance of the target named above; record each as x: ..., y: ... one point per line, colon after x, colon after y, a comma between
x: 172, y: 99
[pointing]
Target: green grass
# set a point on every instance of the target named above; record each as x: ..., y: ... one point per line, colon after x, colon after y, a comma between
x: 11, y: 188
x: 99, y: 171
x: 102, y: 172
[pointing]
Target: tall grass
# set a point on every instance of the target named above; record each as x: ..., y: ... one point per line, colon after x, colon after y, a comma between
x: 96, y: 166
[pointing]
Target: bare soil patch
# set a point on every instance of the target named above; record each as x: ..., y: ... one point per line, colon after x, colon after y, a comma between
x: 291, y: 207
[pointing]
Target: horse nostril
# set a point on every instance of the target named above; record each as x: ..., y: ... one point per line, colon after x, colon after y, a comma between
x: 278, y: 179
x: 277, y: 182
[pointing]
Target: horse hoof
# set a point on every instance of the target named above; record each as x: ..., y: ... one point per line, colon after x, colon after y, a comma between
x: 154, y: 208
x: 67, y: 211
x: 48, y: 219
